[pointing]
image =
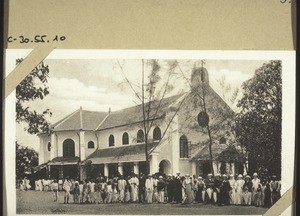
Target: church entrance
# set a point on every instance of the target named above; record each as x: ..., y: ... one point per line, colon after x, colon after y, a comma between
x: 70, y: 171
x: 165, y: 167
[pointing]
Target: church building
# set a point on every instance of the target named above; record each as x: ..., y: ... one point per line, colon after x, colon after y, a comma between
x: 86, y: 142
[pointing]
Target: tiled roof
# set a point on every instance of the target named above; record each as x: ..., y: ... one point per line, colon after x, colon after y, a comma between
x: 64, y: 160
x: 135, y: 114
x: 217, y: 150
x: 90, y: 120
x: 40, y: 167
x: 127, y: 153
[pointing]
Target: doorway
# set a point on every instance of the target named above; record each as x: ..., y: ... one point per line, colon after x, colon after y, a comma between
x: 165, y: 167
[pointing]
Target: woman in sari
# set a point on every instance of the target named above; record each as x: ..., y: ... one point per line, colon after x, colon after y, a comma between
x: 187, y: 186
x: 232, y: 194
x: 239, y: 189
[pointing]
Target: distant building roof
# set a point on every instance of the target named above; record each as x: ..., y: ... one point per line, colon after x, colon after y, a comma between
x: 120, y: 154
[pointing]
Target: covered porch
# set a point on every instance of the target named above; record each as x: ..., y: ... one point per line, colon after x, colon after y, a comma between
x: 114, y: 161
x: 227, y: 159
x: 62, y: 167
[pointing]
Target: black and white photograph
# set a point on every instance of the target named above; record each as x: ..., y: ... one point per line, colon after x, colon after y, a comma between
x: 152, y: 133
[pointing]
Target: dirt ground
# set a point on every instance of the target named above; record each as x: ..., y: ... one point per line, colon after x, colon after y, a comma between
x: 40, y: 202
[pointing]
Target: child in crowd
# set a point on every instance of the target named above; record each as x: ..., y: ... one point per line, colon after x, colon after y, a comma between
x: 127, y: 191
x: 92, y: 192
x: 109, y: 192
x: 76, y: 193
x: 54, y: 187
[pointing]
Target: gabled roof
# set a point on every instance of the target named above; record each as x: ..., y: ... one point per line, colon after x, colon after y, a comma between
x: 92, y: 120
x: 80, y: 120
x: 134, y: 114
x: 120, y: 154
x: 203, y: 153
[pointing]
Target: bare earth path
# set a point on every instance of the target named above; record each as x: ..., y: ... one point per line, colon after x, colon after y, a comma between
x: 37, y: 202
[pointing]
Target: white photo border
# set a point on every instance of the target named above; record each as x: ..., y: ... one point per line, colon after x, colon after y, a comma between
x: 288, y: 98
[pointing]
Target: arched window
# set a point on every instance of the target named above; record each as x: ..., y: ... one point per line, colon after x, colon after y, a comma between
x: 111, y: 140
x: 140, y: 136
x: 125, y: 139
x: 222, y: 140
x: 91, y: 144
x: 49, y: 146
x: 68, y: 148
x: 156, y: 133
x: 184, y: 148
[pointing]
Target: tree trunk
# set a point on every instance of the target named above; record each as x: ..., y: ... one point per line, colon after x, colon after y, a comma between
x: 210, y: 151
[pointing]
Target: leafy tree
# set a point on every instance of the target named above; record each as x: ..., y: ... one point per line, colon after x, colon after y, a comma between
x: 26, y: 160
x: 258, y: 124
x: 151, y: 93
x: 215, y: 117
x: 33, y: 87
x: 91, y: 170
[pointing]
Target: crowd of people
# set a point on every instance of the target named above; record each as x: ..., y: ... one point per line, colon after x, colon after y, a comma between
x: 159, y: 188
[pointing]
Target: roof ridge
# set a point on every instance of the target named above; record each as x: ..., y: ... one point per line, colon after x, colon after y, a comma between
x: 176, y: 95
x: 218, y: 97
x: 93, y: 111
x: 102, y: 122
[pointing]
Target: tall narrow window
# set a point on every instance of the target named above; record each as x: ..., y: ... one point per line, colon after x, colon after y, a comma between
x: 68, y: 148
x: 49, y: 146
x: 183, y: 146
x: 111, y: 140
x: 156, y: 133
x: 91, y: 144
x: 140, y: 136
x: 125, y: 139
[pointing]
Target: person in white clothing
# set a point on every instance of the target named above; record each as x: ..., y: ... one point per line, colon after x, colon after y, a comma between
x: 239, y: 189
x: 67, y: 189
x: 255, y: 185
x: 40, y: 183
x: 36, y: 183
x: 149, y: 186
x: 232, y: 193
x: 121, y: 188
x: 134, y: 183
x: 92, y: 192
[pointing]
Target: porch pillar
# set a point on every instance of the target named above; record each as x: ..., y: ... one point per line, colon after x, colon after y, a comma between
x: 219, y: 166
x: 41, y: 155
x: 246, y: 168
x: 120, y: 168
x: 49, y: 172
x: 106, y: 172
x: 136, y: 168
x: 215, y: 167
x: 154, y: 168
x: 193, y: 167
x: 233, y: 168
x: 53, y: 149
x: 82, y: 145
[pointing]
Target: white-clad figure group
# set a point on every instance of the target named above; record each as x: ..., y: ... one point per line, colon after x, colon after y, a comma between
x: 159, y: 188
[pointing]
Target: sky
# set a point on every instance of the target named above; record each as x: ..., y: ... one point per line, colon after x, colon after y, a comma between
x: 98, y: 85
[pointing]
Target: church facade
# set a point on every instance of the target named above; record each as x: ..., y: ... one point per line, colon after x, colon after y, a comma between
x: 88, y: 142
